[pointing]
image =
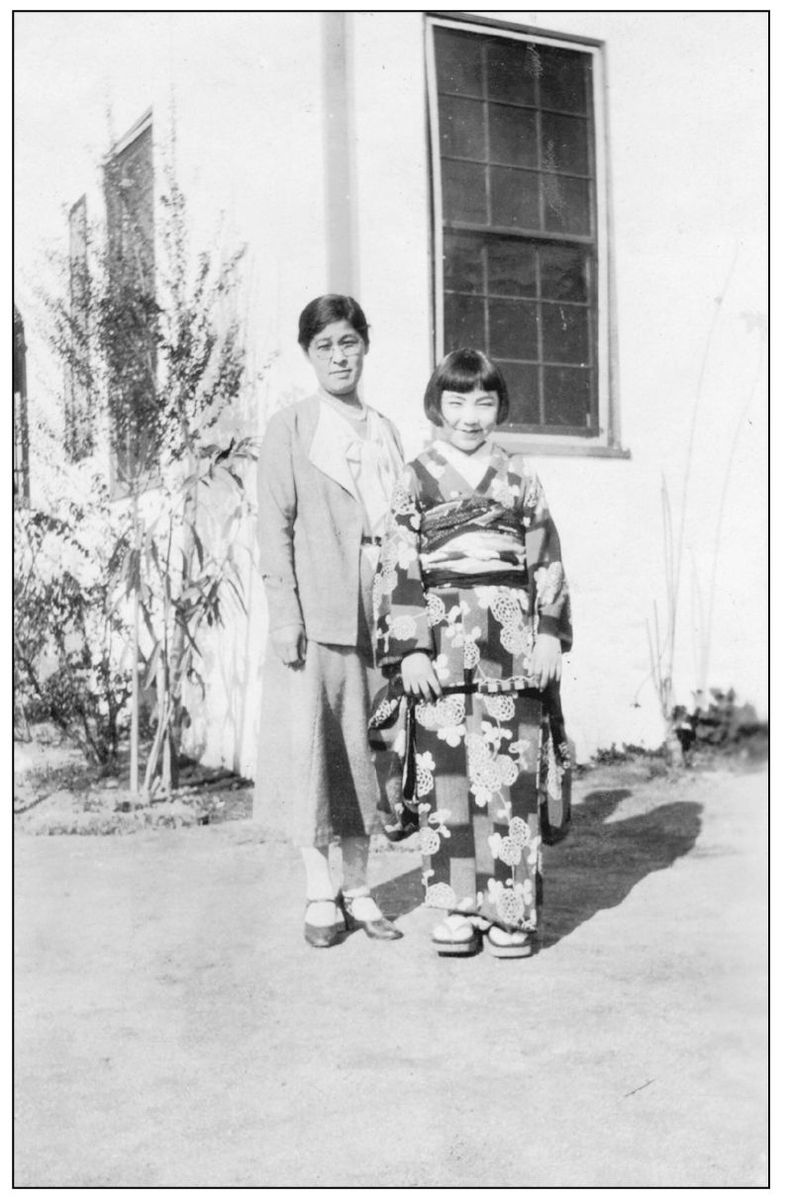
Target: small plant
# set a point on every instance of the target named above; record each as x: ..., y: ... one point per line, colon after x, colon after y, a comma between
x: 68, y: 636
x: 661, y: 636
x: 723, y: 724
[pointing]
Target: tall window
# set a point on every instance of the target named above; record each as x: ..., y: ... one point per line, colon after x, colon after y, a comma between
x: 21, y: 442
x: 79, y: 401
x: 131, y: 310
x: 517, y: 226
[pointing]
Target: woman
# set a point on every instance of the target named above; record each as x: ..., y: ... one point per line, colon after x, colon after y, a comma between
x: 473, y: 616
x: 326, y: 472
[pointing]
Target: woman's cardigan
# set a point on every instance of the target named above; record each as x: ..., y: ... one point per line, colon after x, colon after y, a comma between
x: 310, y: 522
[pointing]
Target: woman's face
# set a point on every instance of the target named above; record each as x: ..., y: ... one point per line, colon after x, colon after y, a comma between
x: 469, y: 417
x: 337, y: 357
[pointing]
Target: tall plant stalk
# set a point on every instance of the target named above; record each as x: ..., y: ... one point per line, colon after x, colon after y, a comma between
x: 707, y: 615
x: 163, y: 358
x: 187, y: 578
x: 662, y: 649
x: 134, y: 733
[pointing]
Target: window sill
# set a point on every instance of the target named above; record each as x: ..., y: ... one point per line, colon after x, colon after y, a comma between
x: 525, y: 444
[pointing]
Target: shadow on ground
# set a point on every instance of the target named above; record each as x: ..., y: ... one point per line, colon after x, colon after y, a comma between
x: 594, y: 868
x: 402, y: 894
x: 601, y: 860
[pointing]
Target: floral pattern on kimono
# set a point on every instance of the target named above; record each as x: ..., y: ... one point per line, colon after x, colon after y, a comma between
x: 470, y: 575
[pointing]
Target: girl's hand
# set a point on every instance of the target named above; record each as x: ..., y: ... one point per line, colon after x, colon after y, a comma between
x: 546, y: 662
x: 290, y: 644
x: 419, y: 676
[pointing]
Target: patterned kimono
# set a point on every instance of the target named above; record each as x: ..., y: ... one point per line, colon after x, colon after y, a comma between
x: 470, y: 575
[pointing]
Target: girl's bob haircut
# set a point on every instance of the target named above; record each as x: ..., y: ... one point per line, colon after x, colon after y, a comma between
x: 324, y: 310
x: 462, y: 371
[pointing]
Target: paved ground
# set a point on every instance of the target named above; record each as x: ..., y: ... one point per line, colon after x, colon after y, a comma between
x: 174, y: 1030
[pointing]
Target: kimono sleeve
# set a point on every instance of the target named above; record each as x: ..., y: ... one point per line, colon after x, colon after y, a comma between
x: 401, y: 615
x: 544, y: 564
x: 276, y: 516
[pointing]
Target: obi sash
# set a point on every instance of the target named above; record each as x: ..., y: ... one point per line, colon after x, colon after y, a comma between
x: 473, y: 540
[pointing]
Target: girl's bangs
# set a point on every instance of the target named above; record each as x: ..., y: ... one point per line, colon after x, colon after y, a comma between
x: 465, y: 377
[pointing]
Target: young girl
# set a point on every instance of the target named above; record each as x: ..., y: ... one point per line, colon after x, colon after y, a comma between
x: 472, y: 619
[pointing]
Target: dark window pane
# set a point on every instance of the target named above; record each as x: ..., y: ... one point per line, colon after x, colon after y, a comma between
x: 514, y: 198
x: 79, y: 407
x: 459, y: 62
x: 562, y: 79
x: 515, y: 128
x: 512, y: 268
x: 21, y: 424
x: 565, y: 144
x: 565, y: 334
x: 565, y: 204
x: 464, y: 321
x: 462, y: 128
x: 131, y: 357
x: 513, y: 329
x: 523, y: 386
x: 464, y: 192
x: 128, y: 192
x: 513, y: 136
x: 568, y: 394
x: 463, y: 268
x: 512, y: 71
x: 563, y: 274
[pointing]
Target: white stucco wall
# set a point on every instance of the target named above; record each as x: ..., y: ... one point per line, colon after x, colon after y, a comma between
x: 686, y: 107
x: 687, y: 155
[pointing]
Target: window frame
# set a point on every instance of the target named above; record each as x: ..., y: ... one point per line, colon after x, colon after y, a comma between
x: 123, y: 484
x: 80, y: 433
x: 606, y: 441
x: 21, y: 433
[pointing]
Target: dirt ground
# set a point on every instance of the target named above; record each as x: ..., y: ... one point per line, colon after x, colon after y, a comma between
x: 173, y: 1029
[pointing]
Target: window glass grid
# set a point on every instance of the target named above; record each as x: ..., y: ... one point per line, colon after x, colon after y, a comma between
x: 79, y: 416
x: 129, y: 199
x: 555, y: 350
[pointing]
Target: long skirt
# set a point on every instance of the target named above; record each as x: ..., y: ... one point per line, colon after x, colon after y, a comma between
x: 484, y: 764
x: 316, y: 778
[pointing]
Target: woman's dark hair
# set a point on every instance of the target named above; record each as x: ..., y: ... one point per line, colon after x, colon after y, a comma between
x: 462, y: 371
x: 322, y: 311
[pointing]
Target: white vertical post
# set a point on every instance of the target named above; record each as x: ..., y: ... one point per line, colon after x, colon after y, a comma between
x: 340, y: 178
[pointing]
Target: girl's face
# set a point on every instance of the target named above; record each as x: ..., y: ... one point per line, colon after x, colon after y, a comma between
x: 469, y: 417
x: 337, y: 357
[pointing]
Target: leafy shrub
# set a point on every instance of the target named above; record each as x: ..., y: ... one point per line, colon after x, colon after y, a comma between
x: 68, y: 637
x: 161, y: 356
x: 626, y: 754
x: 722, y: 724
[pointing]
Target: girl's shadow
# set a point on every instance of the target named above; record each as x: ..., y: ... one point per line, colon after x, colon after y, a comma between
x: 593, y: 869
x: 599, y: 862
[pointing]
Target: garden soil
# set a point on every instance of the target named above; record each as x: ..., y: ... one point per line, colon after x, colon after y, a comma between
x: 173, y: 1028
